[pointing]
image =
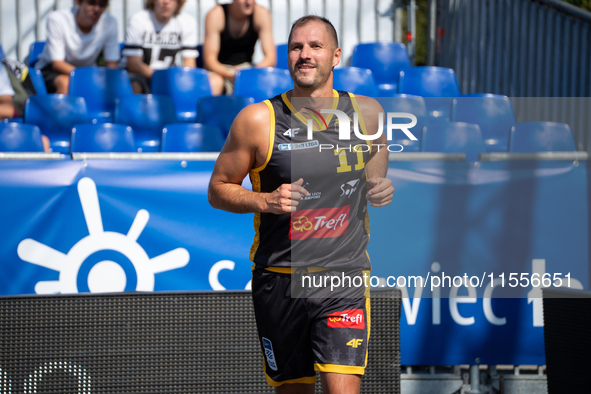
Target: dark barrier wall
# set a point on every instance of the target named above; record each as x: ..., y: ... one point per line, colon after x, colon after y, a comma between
x: 117, y: 225
x: 196, y: 342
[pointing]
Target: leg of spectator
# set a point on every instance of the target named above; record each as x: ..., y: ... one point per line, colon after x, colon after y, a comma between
x: 137, y: 87
x: 62, y: 84
x: 338, y: 383
x: 295, y: 388
x: 46, y: 144
x: 216, y: 82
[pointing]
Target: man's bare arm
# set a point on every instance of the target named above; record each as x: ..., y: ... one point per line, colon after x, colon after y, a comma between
x: 264, y: 26
x: 189, y: 62
x: 246, y: 148
x: 380, y: 190
x: 62, y: 67
x: 214, y: 22
x: 135, y: 64
x: 6, y: 107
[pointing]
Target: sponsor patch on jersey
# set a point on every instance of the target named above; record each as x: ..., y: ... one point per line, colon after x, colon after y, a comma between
x: 347, y: 189
x: 352, y: 318
x: 269, y: 354
x: 319, y: 223
x: 300, y: 145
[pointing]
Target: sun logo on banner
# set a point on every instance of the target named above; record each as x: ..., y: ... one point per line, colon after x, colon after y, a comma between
x: 92, y: 257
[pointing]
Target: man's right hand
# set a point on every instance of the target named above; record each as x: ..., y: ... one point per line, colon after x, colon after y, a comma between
x: 285, y: 198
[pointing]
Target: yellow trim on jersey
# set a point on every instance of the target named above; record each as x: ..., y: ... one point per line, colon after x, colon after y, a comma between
x: 368, y: 318
x: 289, y: 270
x: 335, y: 104
x: 307, y: 379
x: 344, y: 369
x: 271, y: 138
x: 361, y: 122
x: 255, y: 179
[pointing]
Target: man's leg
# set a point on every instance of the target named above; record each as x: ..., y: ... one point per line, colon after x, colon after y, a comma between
x: 62, y: 84
x: 295, y: 388
x: 338, y: 383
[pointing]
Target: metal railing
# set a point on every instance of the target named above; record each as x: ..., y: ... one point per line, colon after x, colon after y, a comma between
x: 22, y: 22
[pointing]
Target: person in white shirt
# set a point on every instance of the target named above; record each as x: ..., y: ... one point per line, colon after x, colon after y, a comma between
x: 154, y: 37
x: 76, y: 38
x: 6, y: 93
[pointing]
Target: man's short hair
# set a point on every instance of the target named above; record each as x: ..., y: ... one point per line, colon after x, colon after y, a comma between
x: 150, y: 5
x: 304, y: 20
x: 100, y: 3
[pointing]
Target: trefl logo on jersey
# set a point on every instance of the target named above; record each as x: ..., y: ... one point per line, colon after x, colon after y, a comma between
x: 353, y: 318
x: 319, y: 223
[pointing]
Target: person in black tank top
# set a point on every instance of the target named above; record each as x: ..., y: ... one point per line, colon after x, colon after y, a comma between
x: 311, y: 216
x: 231, y: 32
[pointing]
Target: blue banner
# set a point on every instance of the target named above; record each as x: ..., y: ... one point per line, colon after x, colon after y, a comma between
x: 124, y: 225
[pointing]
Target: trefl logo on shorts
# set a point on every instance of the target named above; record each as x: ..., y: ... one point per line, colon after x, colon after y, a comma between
x: 319, y: 223
x: 353, y: 318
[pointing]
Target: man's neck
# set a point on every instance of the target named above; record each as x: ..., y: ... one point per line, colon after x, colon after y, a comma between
x: 235, y: 13
x: 84, y: 28
x: 162, y: 19
x: 325, y: 91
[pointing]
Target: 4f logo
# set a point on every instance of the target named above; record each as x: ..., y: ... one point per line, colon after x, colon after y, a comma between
x: 355, y: 343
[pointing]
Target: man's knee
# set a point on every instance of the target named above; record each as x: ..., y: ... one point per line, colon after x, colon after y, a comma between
x: 338, y: 383
x: 62, y: 84
x: 295, y: 388
x: 216, y: 82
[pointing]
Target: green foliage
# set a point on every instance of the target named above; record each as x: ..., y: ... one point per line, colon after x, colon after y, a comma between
x: 584, y: 4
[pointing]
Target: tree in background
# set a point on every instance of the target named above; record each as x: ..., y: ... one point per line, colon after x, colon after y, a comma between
x: 584, y: 4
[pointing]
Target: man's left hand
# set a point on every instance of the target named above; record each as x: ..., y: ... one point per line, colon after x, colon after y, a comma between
x: 380, y: 192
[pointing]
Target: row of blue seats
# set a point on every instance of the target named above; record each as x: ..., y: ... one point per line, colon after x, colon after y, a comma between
x: 112, y: 137
x: 447, y: 137
x: 56, y: 115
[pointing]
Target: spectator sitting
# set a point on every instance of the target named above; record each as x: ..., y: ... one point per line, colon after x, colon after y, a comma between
x: 154, y: 36
x: 231, y: 32
x: 7, y: 108
x: 76, y: 38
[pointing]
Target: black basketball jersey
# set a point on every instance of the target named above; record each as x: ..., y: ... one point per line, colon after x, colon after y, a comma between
x: 330, y: 227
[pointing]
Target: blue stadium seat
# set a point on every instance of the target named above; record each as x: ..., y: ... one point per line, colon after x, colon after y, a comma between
x: 454, y: 137
x: 34, y: 51
x: 102, y: 137
x: 38, y: 81
x: 100, y: 87
x: 541, y: 137
x: 1, y: 53
x: 146, y: 114
x: 220, y: 111
x: 262, y: 83
x: 355, y: 80
x: 185, y: 86
x: 282, y: 56
x: 438, y: 82
x: 494, y: 115
x: 409, y: 104
x: 385, y: 60
x: 191, y: 137
x: 18, y: 137
x: 55, y: 115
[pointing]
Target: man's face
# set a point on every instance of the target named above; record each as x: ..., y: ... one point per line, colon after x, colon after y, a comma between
x: 311, y: 55
x: 246, y: 7
x: 165, y: 9
x: 91, y: 10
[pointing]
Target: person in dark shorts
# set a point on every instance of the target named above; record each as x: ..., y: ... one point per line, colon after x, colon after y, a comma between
x: 231, y: 32
x: 311, y: 219
x: 77, y: 37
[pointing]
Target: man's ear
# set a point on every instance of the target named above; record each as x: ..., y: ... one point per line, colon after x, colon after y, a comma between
x: 336, y: 59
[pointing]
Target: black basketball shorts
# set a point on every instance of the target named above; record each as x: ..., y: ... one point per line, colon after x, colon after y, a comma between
x: 299, y: 336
